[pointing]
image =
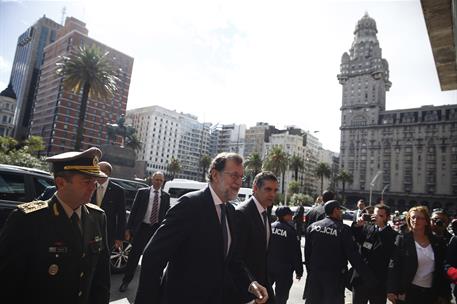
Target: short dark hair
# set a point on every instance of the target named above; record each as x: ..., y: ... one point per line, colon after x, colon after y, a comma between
x: 328, y: 196
x: 66, y: 175
x: 264, y: 176
x: 385, y: 208
x: 218, y: 163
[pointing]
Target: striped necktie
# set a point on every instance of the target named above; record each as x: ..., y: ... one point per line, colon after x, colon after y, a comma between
x: 155, y: 209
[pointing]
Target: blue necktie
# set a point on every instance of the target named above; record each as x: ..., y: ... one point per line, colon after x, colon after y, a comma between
x: 224, y: 227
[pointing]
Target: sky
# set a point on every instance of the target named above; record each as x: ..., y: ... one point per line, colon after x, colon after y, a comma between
x: 246, y: 61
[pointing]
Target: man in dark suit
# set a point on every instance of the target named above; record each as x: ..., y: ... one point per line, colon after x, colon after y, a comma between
x: 56, y: 251
x: 148, y: 211
x: 255, y: 230
x: 317, y: 213
x: 111, y: 198
x: 359, y: 211
x: 195, y: 243
x: 376, y: 241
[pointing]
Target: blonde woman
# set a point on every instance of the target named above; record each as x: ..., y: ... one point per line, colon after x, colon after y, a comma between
x: 416, y: 270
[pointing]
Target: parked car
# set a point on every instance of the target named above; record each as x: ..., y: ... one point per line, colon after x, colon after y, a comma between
x: 20, y: 185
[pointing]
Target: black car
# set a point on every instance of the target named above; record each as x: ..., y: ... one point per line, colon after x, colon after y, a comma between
x: 20, y: 185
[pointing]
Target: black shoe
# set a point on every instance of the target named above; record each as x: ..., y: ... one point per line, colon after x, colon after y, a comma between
x: 123, y: 287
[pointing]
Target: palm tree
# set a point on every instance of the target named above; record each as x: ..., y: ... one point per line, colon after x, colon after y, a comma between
x: 277, y: 161
x: 174, y: 167
x: 253, y: 164
x: 296, y: 164
x: 205, y: 161
x: 323, y: 170
x: 87, y: 71
x: 344, y: 177
x: 134, y: 143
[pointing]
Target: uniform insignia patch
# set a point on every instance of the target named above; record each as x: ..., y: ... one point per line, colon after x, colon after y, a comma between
x: 93, y: 206
x: 33, y: 206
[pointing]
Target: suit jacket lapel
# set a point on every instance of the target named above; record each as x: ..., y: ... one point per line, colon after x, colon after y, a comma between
x: 258, y: 222
x: 215, y: 223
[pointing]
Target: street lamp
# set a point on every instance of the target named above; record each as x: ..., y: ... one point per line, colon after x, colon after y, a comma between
x: 373, y: 181
x: 384, y: 189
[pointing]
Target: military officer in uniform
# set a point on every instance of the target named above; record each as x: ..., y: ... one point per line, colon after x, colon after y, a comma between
x: 328, y: 247
x: 284, y: 256
x: 56, y: 251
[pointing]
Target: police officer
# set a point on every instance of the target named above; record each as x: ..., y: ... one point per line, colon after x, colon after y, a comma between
x: 284, y: 256
x: 328, y: 247
x: 56, y: 251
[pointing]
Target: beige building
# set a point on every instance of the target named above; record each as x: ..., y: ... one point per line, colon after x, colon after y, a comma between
x: 406, y: 156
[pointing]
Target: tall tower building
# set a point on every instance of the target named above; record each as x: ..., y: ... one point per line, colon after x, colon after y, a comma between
x: 56, y: 109
x: 26, y: 66
x: 405, y: 156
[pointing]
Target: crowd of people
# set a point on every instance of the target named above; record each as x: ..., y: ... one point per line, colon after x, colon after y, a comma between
x: 205, y: 250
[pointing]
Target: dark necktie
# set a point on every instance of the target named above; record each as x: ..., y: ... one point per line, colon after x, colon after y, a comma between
x: 265, y: 222
x: 75, y: 225
x: 224, y: 227
x: 155, y: 209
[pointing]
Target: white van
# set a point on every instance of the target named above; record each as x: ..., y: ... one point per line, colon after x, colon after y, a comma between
x: 178, y: 187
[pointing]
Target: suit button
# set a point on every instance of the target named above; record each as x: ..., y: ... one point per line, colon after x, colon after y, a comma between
x: 80, y: 293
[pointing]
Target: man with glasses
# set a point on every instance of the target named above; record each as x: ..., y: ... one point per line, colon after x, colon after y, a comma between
x: 328, y: 247
x: 376, y: 241
x: 439, y: 221
x: 190, y: 258
x: 255, y: 230
x: 148, y: 210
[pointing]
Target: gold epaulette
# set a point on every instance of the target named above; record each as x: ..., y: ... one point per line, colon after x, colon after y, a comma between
x: 32, y: 206
x: 93, y: 206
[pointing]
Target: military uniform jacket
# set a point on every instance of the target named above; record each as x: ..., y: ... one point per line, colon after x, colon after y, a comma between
x: 284, y: 253
x: 42, y: 260
x: 113, y: 203
x: 376, y: 248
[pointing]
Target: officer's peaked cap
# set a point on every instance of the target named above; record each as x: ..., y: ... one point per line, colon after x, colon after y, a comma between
x: 283, y: 211
x: 330, y: 205
x: 85, y: 162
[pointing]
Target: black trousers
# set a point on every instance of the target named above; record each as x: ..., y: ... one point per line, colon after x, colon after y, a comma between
x: 361, y: 295
x: 419, y: 295
x: 283, y: 281
x: 139, y: 242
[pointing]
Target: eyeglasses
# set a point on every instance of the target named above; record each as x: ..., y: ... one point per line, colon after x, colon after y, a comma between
x: 233, y: 175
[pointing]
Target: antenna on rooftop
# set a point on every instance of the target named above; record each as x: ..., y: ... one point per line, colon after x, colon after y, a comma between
x: 64, y: 10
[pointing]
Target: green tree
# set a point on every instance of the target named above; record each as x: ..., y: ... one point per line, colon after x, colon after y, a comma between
x: 277, y: 161
x: 301, y: 199
x: 294, y: 187
x: 204, y: 163
x: 253, y: 165
x: 87, y: 71
x: 174, y: 167
x: 134, y: 143
x: 344, y: 177
x: 323, y: 170
x: 22, y: 154
x: 296, y: 164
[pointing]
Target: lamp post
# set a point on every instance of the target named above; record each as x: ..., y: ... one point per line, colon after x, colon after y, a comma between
x: 384, y: 189
x: 373, y: 181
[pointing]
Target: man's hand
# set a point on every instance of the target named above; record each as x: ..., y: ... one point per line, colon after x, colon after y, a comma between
x: 127, y: 235
x: 392, y: 297
x: 259, y: 291
x: 117, y: 244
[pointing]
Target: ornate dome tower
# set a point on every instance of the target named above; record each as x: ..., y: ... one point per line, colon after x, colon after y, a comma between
x: 364, y: 75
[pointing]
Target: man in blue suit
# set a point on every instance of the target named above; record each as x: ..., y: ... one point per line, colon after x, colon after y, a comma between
x: 195, y: 243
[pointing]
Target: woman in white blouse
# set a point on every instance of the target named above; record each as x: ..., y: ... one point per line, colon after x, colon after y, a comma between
x: 416, y: 270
